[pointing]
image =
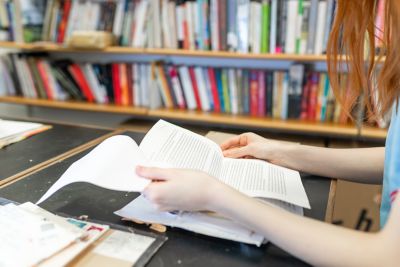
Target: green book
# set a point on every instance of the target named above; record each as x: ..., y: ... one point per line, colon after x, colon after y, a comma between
x: 299, y: 22
x: 265, y: 26
x: 225, y: 90
x: 37, y: 79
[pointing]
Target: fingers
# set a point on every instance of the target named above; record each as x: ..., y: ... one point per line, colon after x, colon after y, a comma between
x: 240, y: 140
x: 153, y: 173
x: 237, y: 152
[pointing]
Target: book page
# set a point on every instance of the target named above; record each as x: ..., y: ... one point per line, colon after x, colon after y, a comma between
x: 110, y: 165
x: 257, y: 178
x: 181, y: 148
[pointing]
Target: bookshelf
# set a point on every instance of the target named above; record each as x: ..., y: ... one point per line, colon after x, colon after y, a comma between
x: 54, y: 48
x: 294, y: 126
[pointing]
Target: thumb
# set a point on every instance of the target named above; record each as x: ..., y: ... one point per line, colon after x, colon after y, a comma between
x: 153, y: 173
x: 237, y: 152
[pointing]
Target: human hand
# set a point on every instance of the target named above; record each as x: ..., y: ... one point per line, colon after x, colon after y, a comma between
x: 180, y: 189
x: 250, y: 145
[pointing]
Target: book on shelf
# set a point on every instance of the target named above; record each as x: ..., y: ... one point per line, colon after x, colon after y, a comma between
x: 298, y: 93
x: 168, y: 145
x: 256, y: 26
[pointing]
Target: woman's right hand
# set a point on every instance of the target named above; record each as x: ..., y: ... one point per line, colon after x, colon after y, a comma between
x: 250, y: 145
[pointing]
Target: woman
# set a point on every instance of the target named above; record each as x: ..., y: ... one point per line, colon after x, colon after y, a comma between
x: 316, y: 242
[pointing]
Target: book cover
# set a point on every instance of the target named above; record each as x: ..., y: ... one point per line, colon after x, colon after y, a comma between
x: 195, y: 87
x: 274, y: 26
x: 208, y: 88
x: 177, y: 87
x: 214, y: 89
x: 265, y: 27
x: 64, y: 21
x: 254, y: 93
x: 312, y: 27
x: 232, y: 38
x: 269, y: 97
x: 246, y: 91
x: 116, y: 83
x: 79, y: 77
x: 222, y: 25
x: 319, y: 36
x: 305, y: 98
x: 292, y: 13
x: 243, y: 22
x: 233, y: 91
x: 225, y: 90
x: 37, y: 78
x: 46, y: 82
x: 296, y: 73
x: 313, y: 97
x: 202, y: 87
x: 261, y: 94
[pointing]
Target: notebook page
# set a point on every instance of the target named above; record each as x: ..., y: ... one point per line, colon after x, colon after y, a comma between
x: 181, y: 148
x: 261, y: 179
x: 110, y: 165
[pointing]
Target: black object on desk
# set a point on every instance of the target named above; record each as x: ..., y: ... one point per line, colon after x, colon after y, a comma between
x: 44, y: 146
x: 183, y: 248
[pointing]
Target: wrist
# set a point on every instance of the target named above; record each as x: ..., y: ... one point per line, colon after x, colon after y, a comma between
x: 285, y: 155
x: 218, y: 195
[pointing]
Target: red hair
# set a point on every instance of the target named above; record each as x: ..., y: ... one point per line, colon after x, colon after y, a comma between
x: 352, y: 45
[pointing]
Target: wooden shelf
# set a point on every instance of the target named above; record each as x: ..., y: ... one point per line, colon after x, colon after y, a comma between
x: 73, y: 105
x: 304, y: 127
x: 373, y: 133
x: 51, y: 47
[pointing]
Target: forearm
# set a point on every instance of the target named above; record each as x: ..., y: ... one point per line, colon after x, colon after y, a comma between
x: 314, y: 242
x: 363, y: 165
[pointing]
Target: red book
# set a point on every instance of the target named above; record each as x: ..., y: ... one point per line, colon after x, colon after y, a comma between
x: 305, y: 98
x: 123, y: 81
x: 177, y: 87
x: 214, y: 90
x: 261, y: 94
x: 80, y: 79
x: 130, y: 84
x: 254, y: 93
x: 313, y: 97
x: 116, y: 84
x: 64, y: 21
x: 45, y: 79
x: 195, y: 87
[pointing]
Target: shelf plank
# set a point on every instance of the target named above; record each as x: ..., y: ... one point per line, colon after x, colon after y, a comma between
x: 51, y: 47
x: 373, y: 133
x: 73, y: 105
x: 257, y: 123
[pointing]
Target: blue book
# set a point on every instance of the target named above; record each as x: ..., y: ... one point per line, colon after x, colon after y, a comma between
x: 246, y: 91
x: 218, y: 77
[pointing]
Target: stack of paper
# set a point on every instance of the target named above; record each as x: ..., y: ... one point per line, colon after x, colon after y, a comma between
x: 15, y: 131
x: 111, y: 165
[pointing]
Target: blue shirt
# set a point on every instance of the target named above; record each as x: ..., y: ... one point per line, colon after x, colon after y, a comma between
x: 391, y: 178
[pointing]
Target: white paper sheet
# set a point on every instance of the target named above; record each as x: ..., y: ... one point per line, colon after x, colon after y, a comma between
x: 110, y: 165
x: 142, y: 209
x: 10, y: 128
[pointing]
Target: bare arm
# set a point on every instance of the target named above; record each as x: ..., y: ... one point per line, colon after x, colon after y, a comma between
x: 363, y: 165
x: 359, y: 165
x: 315, y: 242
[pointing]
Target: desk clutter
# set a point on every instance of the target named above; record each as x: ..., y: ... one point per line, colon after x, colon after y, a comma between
x: 111, y: 165
x: 50, y: 240
x: 15, y: 131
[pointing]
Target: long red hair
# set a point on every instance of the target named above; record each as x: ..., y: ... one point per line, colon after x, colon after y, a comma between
x: 352, y: 47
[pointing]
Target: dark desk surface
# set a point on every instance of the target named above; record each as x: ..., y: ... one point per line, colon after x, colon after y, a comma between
x: 44, y: 146
x: 182, y: 248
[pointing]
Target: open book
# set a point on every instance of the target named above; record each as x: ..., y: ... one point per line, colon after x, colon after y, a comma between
x: 112, y: 165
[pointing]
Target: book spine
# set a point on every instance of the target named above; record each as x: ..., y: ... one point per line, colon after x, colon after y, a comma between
x: 274, y: 26
x: 116, y: 84
x: 254, y: 91
x: 177, y: 87
x: 265, y: 28
x: 214, y: 89
x: 195, y: 87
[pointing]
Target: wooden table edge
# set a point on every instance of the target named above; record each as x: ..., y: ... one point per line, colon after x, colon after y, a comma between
x: 331, y: 201
x: 38, y: 167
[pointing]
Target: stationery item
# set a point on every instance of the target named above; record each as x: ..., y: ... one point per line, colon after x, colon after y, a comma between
x: 35, y: 235
x: 15, y: 131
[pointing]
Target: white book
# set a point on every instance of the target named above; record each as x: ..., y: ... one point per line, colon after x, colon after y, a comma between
x: 233, y: 91
x: 17, y: 22
x: 32, y: 92
x: 214, y: 25
x: 319, y: 38
x: 243, y: 27
x: 166, y: 30
x: 195, y: 24
x: 251, y: 25
x: 312, y: 26
x: 144, y: 84
x: 94, y: 17
x: 173, y: 38
x: 139, y: 38
x: 187, y: 87
x: 190, y: 24
x: 292, y: 11
x: 274, y: 26
x: 285, y: 96
x: 155, y: 97
x: 208, y: 87
x: 167, y: 145
x: 180, y: 13
x: 73, y: 19
x: 201, y: 84
x: 119, y: 18
x: 9, y: 86
x: 256, y: 27
x: 157, y: 24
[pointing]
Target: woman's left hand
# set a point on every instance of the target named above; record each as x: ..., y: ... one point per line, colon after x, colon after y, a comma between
x: 180, y: 189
